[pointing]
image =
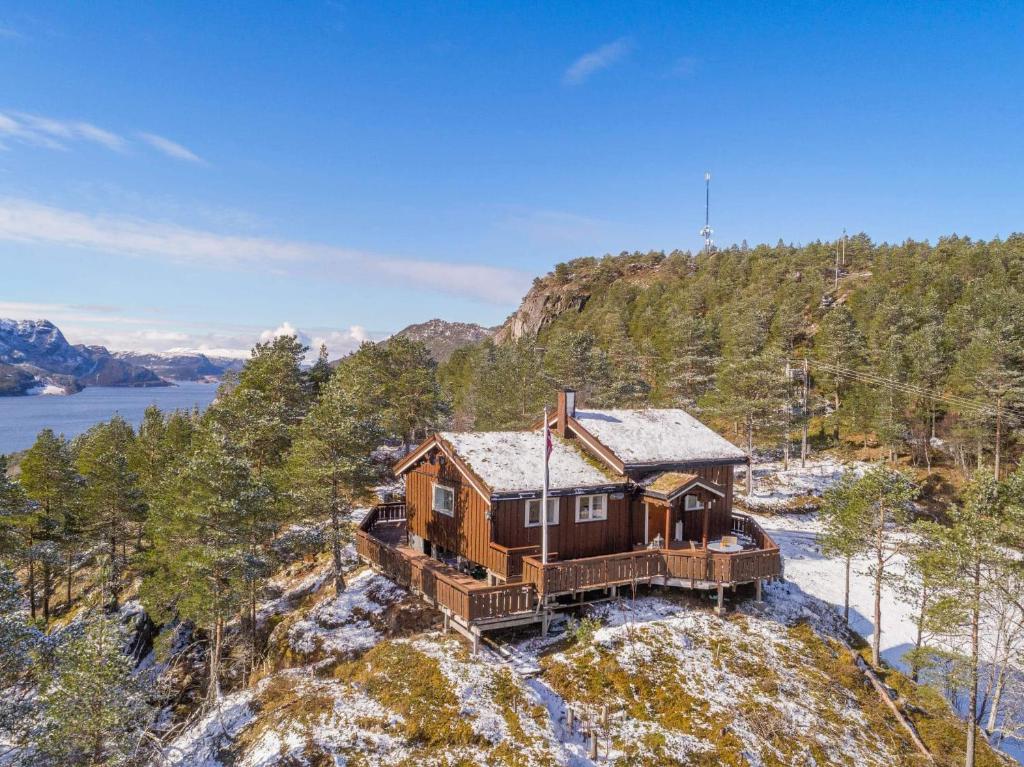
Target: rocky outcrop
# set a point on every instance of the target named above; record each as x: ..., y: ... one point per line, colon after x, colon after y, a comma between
x: 544, y: 302
x: 442, y: 337
x: 570, y: 286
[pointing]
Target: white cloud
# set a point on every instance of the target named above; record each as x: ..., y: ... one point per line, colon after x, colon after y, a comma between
x: 171, y: 148
x: 338, y: 342
x: 596, y: 60
x: 55, y: 134
x: 29, y: 222
x: 284, y: 329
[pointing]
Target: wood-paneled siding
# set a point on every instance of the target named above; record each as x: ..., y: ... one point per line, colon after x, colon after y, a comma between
x: 468, y: 532
x: 719, y: 519
x: 569, y: 538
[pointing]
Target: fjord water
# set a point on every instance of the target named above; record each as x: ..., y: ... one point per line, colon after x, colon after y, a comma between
x: 21, y: 418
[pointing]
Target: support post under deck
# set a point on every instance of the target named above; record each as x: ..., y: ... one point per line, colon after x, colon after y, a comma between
x: 720, y: 607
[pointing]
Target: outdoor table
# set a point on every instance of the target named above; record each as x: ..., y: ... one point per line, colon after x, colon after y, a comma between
x: 718, y: 547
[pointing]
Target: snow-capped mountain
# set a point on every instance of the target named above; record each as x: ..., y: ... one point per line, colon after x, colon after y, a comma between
x: 182, y: 367
x: 35, y: 356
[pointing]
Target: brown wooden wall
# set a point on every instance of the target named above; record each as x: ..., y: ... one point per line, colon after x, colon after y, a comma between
x: 568, y: 538
x: 719, y: 522
x: 468, y: 532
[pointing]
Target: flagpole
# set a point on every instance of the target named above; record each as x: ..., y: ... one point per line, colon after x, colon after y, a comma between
x: 544, y: 498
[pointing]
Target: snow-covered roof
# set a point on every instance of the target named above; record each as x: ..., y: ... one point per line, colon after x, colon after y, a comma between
x: 513, y: 461
x: 652, y: 436
x: 668, y: 484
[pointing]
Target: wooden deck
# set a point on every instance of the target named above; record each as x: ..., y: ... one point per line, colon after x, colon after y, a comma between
x: 532, y: 587
x: 380, y: 541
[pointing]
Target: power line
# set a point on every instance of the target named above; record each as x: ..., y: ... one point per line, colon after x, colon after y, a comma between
x: 874, y: 378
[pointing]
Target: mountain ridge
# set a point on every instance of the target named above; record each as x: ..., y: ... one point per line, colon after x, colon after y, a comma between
x: 443, y: 337
x: 36, y: 358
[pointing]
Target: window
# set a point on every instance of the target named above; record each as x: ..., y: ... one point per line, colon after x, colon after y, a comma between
x: 590, y: 508
x: 533, y: 512
x: 444, y: 500
x: 693, y: 503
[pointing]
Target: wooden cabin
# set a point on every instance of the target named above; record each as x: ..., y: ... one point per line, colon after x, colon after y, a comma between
x: 635, y: 496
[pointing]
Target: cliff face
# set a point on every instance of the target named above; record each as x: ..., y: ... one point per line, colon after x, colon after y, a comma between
x: 543, y: 303
x: 568, y: 289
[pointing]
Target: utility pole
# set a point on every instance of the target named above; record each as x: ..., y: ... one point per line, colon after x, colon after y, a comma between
x: 844, y: 246
x: 837, y: 267
x: 999, y: 432
x: 789, y: 412
x: 805, y: 419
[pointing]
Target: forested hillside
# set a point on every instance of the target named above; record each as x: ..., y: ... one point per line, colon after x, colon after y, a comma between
x: 913, y: 346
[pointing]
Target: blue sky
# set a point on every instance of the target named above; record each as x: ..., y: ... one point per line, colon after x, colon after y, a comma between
x: 191, y: 175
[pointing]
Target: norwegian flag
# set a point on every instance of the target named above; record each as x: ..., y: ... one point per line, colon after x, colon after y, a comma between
x: 548, y: 444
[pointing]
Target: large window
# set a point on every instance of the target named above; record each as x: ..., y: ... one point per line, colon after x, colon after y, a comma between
x: 533, y: 512
x: 693, y: 503
x: 590, y: 508
x: 444, y: 500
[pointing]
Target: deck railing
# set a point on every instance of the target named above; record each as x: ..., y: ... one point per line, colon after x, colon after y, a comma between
x: 574, y: 575
x: 471, y: 602
x: 383, y: 512
x: 508, y: 561
x: 436, y: 581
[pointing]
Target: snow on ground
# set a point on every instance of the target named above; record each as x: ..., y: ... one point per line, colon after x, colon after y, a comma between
x: 343, y: 625
x: 201, y: 744
x: 46, y: 389
x: 283, y: 718
x: 777, y: 489
x: 821, y: 577
x: 473, y: 681
x: 707, y: 676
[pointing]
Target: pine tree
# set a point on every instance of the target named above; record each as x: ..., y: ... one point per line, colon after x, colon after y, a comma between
x: 320, y: 373
x: 972, y: 550
x: 845, y: 521
x: 752, y: 392
x: 888, y: 493
x: 260, y: 411
x: 94, y: 709
x: 924, y: 578
x: 49, y: 479
x: 198, y: 568
x: 510, y: 388
x: 113, y: 501
x: 840, y: 346
x: 330, y: 464
x: 577, y: 360
x: 16, y: 518
x: 991, y: 370
x: 415, y: 402
x: 20, y: 642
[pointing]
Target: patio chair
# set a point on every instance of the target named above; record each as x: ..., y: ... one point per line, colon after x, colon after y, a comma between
x: 729, y: 540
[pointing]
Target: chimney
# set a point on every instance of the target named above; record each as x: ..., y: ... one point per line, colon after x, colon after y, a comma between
x: 566, y: 409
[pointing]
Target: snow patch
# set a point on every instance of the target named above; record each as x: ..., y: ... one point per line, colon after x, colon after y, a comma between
x: 342, y: 625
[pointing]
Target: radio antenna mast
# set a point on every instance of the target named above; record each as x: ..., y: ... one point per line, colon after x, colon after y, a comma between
x: 706, y: 231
